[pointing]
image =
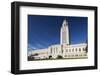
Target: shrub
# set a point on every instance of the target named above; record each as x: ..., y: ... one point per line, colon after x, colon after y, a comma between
x: 59, y: 57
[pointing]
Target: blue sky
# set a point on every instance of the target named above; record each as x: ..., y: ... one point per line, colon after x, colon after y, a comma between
x: 44, y: 31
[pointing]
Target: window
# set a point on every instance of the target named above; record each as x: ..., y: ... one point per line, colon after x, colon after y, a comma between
x: 66, y: 50
x: 76, y: 55
x: 76, y: 49
x: 68, y: 55
x: 85, y: 54
x: 73, y: 50
x: 65, y: 55
x: 83, y: 49
x: 51, y: 50
x: 62, y: 51
x: 79, y: 49
x: 56, y: 48
x: 69, y: 50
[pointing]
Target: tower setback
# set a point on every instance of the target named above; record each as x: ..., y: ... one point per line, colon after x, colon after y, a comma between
x: 64, y: 33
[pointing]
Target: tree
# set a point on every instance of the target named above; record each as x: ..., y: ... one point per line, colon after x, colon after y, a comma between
x: 50, y: 57
x: 59, y: 57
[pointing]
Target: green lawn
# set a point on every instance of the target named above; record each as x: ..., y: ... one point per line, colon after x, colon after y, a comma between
x: 57, y: 59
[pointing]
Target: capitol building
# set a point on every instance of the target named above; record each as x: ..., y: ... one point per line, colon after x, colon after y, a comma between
x: 62, y: 50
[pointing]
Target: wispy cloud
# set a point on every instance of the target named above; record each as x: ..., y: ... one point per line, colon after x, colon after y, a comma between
x: 31, y: 47
x: 40, y: 45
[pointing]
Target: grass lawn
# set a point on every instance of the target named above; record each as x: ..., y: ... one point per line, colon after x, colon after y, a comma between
x: 58, y: 59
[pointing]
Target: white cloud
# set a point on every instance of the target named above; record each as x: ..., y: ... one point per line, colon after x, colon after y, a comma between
x: 31, y: 47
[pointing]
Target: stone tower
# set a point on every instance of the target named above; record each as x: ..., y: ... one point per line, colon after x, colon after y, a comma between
x: 64, y: 33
